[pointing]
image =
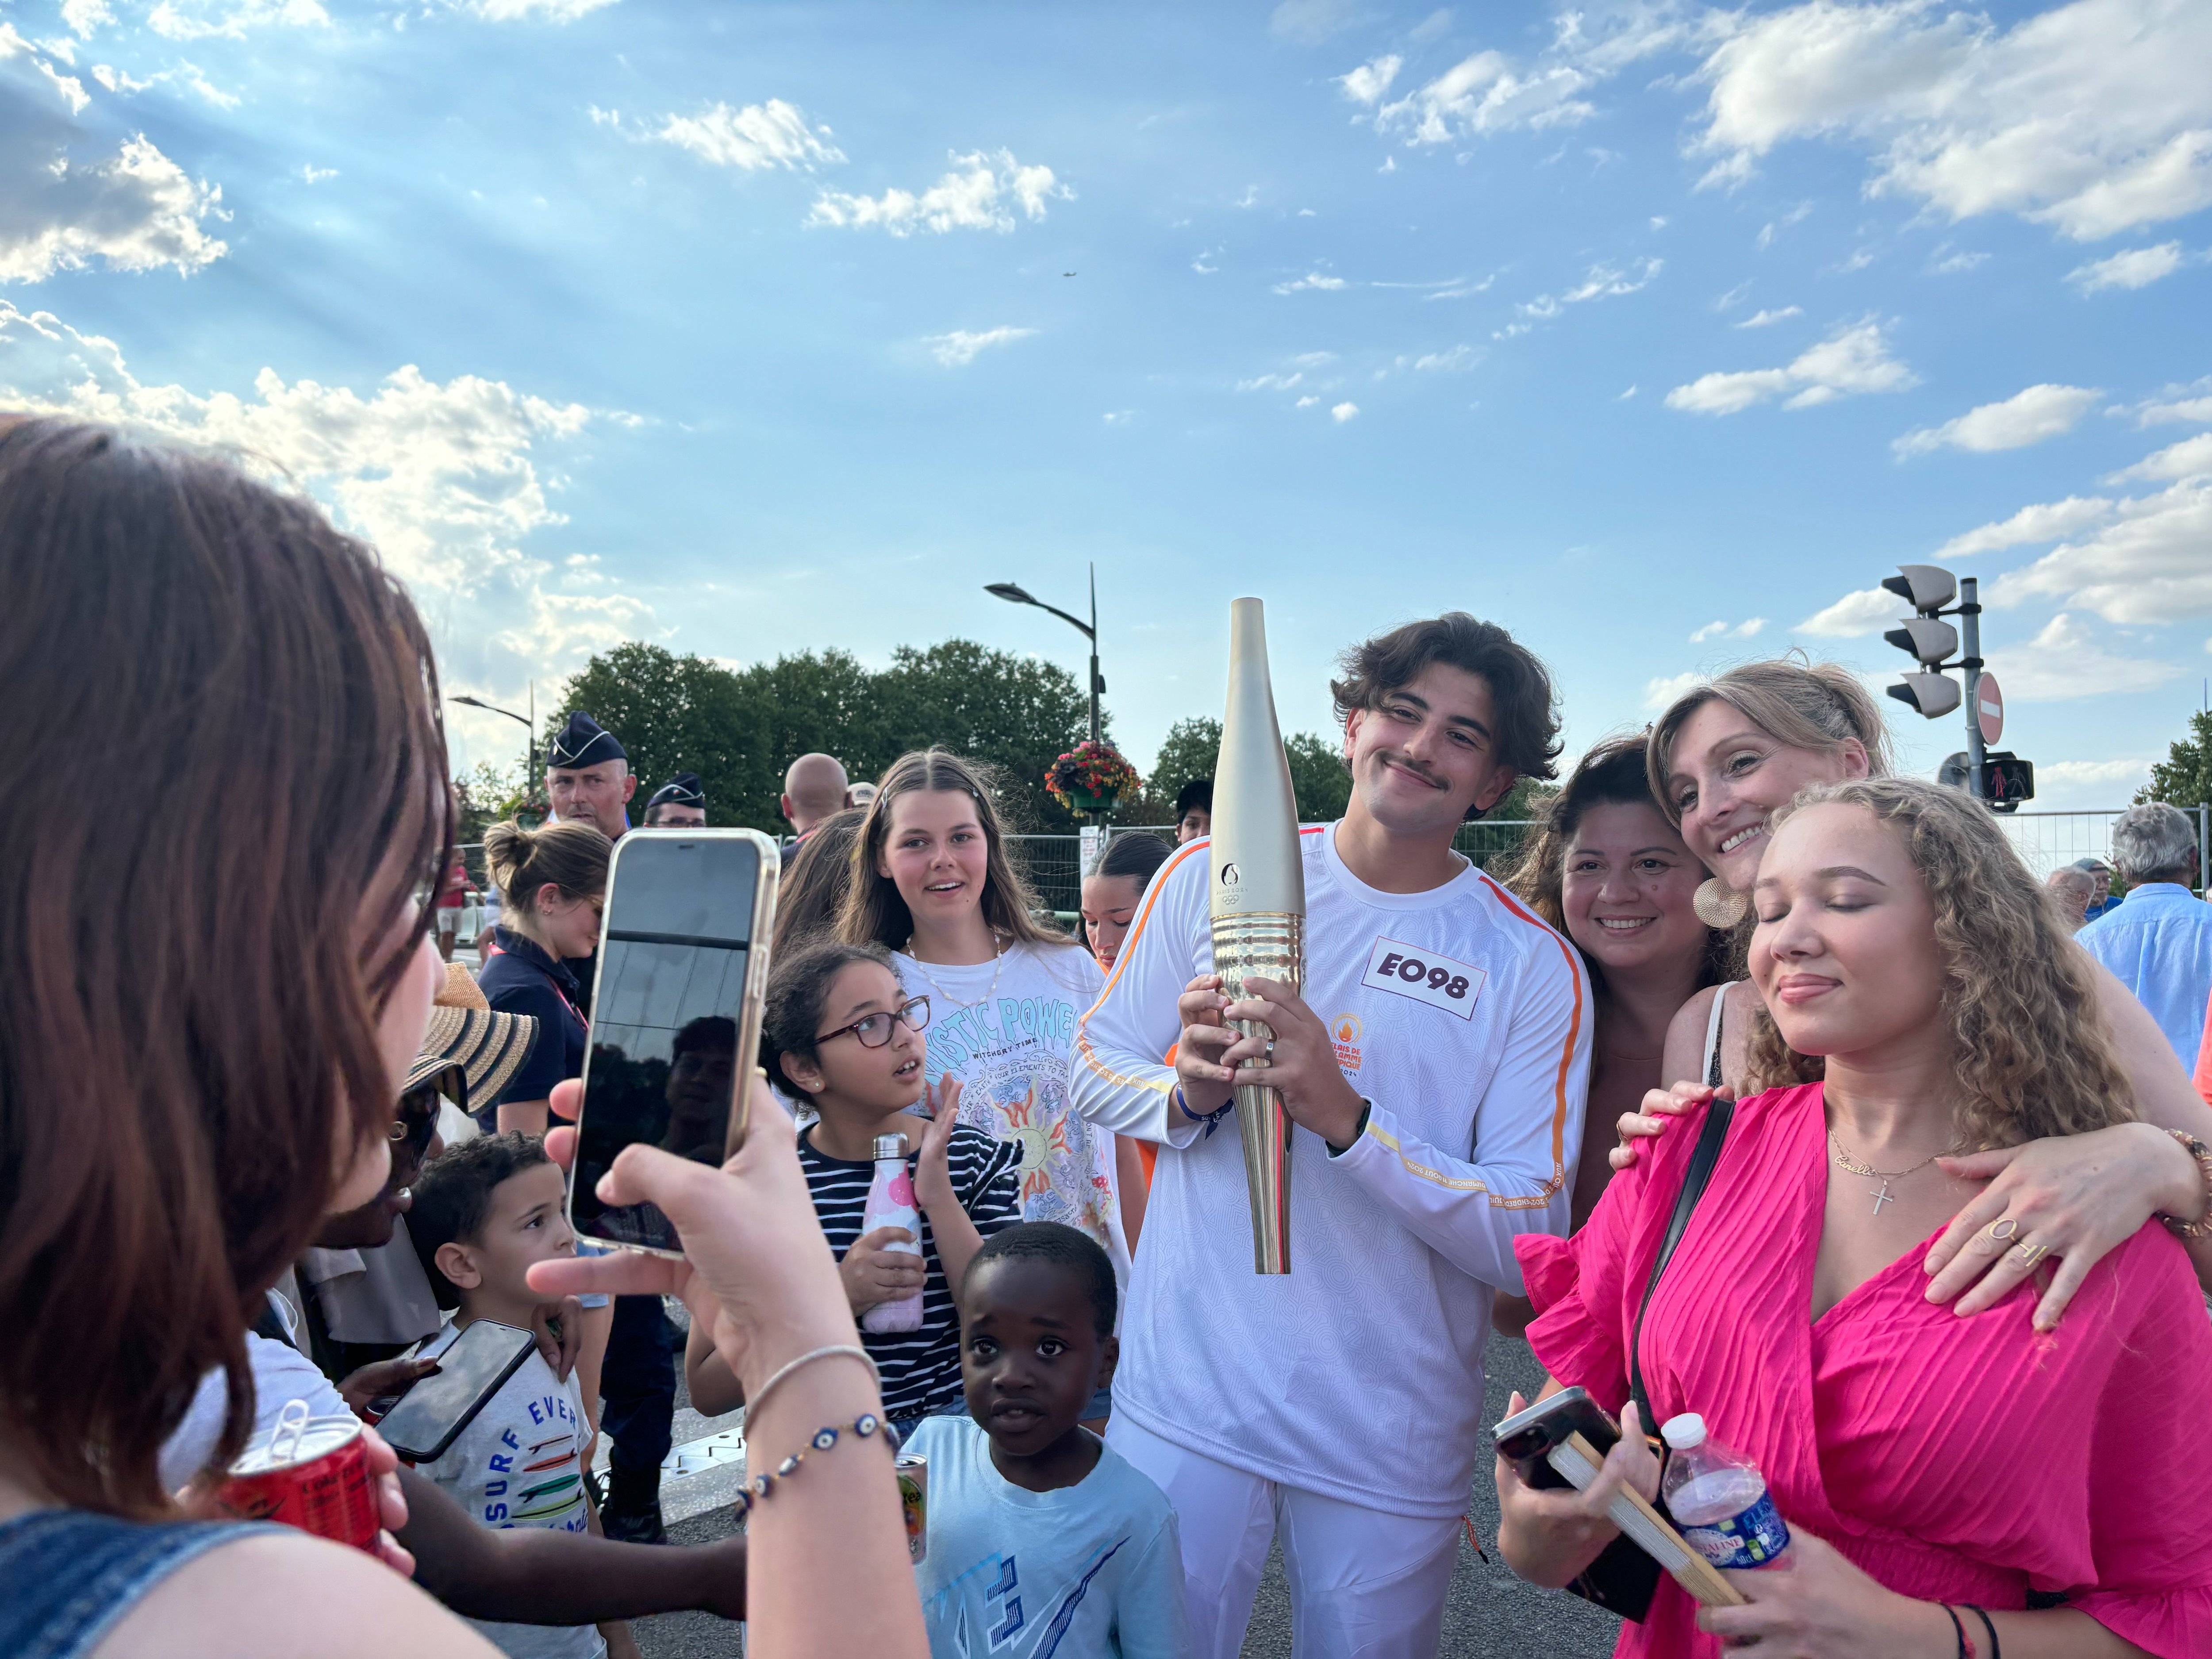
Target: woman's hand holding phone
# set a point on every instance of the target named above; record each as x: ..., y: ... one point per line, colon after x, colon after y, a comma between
x: 1548, y: 1535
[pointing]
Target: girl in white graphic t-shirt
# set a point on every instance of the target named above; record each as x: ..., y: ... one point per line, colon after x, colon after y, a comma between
x: 932, y: 880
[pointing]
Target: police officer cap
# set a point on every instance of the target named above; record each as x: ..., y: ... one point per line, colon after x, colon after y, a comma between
x: 583, y: 742
x: 682, y: 790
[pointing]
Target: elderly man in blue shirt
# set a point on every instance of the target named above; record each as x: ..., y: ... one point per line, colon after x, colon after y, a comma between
x: 2158, y: 944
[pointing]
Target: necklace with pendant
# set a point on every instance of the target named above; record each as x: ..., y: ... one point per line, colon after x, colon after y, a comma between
x: 999, y: 962
x: 1844, y: 1161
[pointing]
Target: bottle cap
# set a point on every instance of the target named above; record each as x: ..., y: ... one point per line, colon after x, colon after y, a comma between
x: 891, y: 1146
x: 1684, y: 1432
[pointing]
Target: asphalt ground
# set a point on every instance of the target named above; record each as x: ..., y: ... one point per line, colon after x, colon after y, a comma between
x: 1490, y: 1612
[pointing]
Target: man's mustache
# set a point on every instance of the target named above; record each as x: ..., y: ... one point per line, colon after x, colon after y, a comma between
x: 1427, y: 774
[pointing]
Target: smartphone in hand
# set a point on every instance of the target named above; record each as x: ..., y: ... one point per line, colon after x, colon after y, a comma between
x: 431, y: 1414
x: 676, y: 1013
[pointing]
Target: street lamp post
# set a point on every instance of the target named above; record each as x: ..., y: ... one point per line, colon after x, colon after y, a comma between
x: 529, y: 724
x: 1014, y: 594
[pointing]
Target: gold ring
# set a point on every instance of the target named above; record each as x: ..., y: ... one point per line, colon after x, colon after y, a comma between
x: 2029, y: 1254
x: 2004, y: 1231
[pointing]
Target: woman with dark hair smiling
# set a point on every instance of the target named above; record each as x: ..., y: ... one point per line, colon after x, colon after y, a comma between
x: 185, y: 1095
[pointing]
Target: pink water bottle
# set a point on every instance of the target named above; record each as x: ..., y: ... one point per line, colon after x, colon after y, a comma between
x: 892, y: 1204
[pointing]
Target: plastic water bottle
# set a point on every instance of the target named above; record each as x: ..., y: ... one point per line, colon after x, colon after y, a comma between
x: 1719, y: 1499
x: 892, y: 1204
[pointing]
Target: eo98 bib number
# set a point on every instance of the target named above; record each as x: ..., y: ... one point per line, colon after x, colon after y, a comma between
x: 1407, y: 970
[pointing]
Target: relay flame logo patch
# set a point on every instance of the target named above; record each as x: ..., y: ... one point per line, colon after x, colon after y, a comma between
x: 1343, y: 1037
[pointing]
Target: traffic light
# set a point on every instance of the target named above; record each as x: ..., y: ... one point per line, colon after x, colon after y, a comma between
x: 2007, y: 781
x: 1927, y: 589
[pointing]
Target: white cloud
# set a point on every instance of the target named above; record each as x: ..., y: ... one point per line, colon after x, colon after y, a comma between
x: 980, y: 194
x: 2135, y: 267
x: 1957, y: 263
x: 2095, y: 116
x: 81, y: 17
x: 958, y: 348
x: 310, y: 174
x: 137, y: 211
x: 2175, y: 407
x: 1658, y: 693
x: 1315, y: 280
x: 527, y: 11
x: 1855, y: 361
x: 441, y: 477
x: 2027, y: 418
x: 2190, y: 459
x: 2147, y: 564
x: 1270, y: 383
x: 1768, y: 319
x: 1367, y: 83
x: 1721, y: 630
x: 198, y: 19
x: 2067, y: 660
x: 770, y: 135
x: 1855, y: 614
x: 1452, y: 361
x: 1484, y: 93
x: 1342, y: 412
x: 2046, y: 522
x: 1307, y: 402
x: 1309, y: 22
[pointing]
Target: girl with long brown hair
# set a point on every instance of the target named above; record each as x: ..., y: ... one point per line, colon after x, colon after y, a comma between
x: 934, y: 880
x: 1725, y: 757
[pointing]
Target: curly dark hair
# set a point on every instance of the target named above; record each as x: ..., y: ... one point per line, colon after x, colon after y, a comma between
x: 1528, y: 736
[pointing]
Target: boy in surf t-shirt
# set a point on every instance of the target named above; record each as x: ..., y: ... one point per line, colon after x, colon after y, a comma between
x: 483, y: 1213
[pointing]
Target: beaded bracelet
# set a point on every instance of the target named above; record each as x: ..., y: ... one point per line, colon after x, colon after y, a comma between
x: 758, y: 1487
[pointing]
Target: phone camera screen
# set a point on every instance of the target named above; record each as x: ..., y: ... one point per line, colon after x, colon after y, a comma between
x: 663, y: 1062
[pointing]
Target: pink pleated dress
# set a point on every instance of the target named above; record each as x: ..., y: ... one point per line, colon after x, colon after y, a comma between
x: 1953, y: 1459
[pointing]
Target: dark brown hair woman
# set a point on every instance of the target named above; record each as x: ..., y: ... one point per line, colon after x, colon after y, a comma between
x: 184, y: 1094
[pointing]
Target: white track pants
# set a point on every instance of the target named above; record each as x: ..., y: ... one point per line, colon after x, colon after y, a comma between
x: 1364, y: 1583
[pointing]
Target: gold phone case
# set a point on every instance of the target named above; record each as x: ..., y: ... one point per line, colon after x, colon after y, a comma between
x: 752, y: 1000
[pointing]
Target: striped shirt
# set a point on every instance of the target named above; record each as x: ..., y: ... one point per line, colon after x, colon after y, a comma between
x: 921, y: 1368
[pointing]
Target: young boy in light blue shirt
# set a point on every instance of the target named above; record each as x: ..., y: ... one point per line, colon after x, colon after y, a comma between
x: 1043, y: 1543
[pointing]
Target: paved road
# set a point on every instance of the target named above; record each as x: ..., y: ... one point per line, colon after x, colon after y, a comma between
x: 1490, y: 1613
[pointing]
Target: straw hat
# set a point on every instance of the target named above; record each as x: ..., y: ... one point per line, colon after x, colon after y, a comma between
x: 469, y: 1052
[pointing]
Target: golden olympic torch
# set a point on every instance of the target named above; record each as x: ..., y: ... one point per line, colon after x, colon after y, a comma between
x: 1259, y: 909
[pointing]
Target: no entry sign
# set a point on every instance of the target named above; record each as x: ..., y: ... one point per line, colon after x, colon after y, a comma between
x: 1989, y: 708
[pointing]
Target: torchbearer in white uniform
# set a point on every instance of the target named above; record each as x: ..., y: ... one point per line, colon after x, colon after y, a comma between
x: 1438, y: 1058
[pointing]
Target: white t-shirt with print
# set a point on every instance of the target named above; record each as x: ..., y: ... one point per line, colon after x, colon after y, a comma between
x: 1011, y: 1048
x: 520, y: 1464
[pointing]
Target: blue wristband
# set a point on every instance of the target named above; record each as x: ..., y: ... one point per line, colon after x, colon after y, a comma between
x: 1212, y: 1120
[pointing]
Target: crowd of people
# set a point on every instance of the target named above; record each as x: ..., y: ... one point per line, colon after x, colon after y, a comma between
x: 1944, y: 1278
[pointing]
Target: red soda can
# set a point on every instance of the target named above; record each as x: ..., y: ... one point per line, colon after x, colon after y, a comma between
x: 311, y: 1473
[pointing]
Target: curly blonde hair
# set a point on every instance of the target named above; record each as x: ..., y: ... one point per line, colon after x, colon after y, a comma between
x: 2031, y: 1056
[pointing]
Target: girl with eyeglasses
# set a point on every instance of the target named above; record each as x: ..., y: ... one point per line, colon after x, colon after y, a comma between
x: 843, y: 1036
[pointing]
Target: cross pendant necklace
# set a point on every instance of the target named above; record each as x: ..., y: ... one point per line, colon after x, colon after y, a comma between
x: 1844, y: 1161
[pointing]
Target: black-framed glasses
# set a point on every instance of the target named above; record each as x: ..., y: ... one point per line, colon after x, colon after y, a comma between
x: 875, y: 1030
x: 417, y: 1117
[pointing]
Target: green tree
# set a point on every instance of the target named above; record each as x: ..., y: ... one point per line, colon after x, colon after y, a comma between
x: 739, y: 728
x: 1318, y: 776
x: 2184, y: 778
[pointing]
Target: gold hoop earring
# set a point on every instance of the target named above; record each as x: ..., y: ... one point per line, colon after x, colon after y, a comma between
x: 1719, y: 905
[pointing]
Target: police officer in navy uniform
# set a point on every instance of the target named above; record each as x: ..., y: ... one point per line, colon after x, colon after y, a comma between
x: 678, y: 804
x: 588, y: 780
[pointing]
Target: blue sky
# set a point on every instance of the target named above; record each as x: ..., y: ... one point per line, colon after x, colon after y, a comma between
x: 751, y: 329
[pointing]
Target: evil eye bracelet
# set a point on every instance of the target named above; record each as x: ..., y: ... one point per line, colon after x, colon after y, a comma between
x: 757, y: 1488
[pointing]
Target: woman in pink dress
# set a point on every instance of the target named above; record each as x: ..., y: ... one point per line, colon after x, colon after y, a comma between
x: 1926, y: 1464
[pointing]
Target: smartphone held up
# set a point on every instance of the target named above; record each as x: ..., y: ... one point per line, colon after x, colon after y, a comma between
x: 676, y: 1013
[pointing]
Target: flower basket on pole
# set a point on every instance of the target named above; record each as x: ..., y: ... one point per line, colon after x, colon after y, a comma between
x: 1090, y: 777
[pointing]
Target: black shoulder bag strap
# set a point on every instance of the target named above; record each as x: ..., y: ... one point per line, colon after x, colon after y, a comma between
x: 1703, y: 1157
x: 1624, y: 1578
